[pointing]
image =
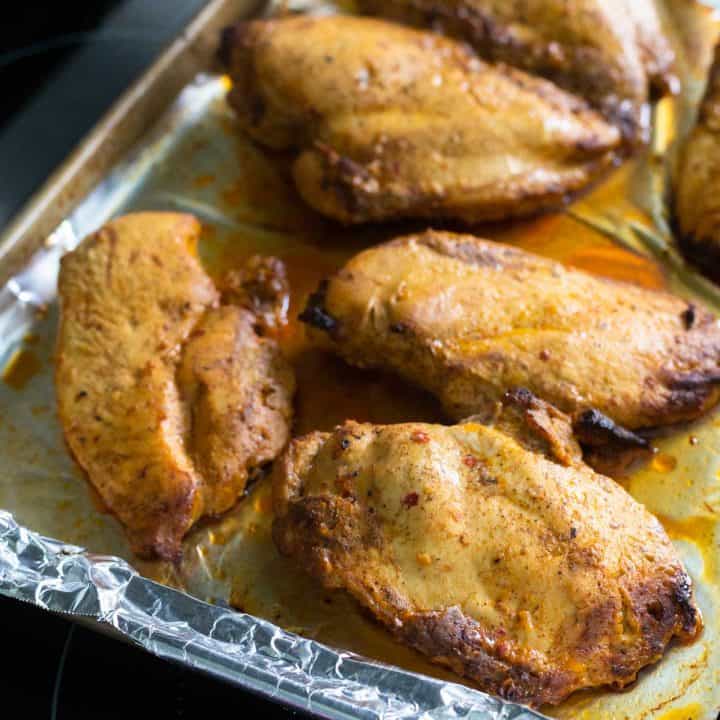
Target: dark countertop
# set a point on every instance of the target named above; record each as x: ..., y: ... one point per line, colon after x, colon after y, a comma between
x: 61, y: 67
x: 55, y: 669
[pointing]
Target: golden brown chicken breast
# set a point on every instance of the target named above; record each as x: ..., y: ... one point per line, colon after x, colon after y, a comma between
x: 467, y: 319
x: 390, y: 122
x: 492, y: 549
x: 606, y: 51
x: 697, y: 198
x: 168, y: 399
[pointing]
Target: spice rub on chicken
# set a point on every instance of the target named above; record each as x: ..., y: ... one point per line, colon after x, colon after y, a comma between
x: 391, y: 122
x: 490, y: 548
x: 697, y: 192
x: 466, y: 319
x: 610, y: 52
x: 169, y: 399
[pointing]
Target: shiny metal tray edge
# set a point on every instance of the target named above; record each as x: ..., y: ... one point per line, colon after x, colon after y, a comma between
x: 121, y: 126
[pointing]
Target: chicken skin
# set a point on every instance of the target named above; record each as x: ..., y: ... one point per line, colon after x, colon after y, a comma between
x: 697, y: 199
x: 466, y: 319
x: 607, y: 52
x: 390, y: 122
x: 492, y: 549
x: 169, y: 400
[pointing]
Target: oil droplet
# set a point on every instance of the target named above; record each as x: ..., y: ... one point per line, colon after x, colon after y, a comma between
x: 693, y: 440
x: 689, y: 712
x: 664, y: 463
x: 21, y: 368
x: 700, y: 531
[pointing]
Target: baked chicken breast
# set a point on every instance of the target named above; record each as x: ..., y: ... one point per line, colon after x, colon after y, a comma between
x: 390, y: 122
x: 168, y: 398
x: 697, y: 194
x: 492, y: 549
x: 609, y: 52
x: 466, y: 319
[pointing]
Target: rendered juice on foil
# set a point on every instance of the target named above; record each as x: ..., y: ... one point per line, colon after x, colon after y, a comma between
x: 197, y: 161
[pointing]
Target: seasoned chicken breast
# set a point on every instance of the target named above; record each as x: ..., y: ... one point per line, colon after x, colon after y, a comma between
x: 609, y: 52
x: 466, y: 319
x: 492, y: 549
x: 697, y: 195
x: 390, y: 122
x: 169, y: 400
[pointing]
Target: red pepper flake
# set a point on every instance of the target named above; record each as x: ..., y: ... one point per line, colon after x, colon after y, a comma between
x: 411, y: 500
x: 470, y: 460
x: 419, y: 436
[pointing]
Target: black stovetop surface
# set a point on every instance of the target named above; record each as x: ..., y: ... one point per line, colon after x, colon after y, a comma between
x: 61, y: 66
x: 52, y: 668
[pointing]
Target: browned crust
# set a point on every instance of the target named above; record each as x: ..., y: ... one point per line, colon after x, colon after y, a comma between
x: 348, y: 190
x: 699, y: 234
x: 543, y: 422
x: 235, y: 53
x: 491, y: 40
x: 708, y: 112
x: 322, y: 532
x: 315, y: 314
x: 453, y: 639
x: 690, y: 392
x: 594, y: 429
x: 262, y: 287
x: 356, y: 193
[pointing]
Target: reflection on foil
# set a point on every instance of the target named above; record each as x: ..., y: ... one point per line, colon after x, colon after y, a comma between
x: 236, y: 647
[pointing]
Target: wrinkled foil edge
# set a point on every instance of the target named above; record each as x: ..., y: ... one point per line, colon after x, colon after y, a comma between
x: 238, y: 648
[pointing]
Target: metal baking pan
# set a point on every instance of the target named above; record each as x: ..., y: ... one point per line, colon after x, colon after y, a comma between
x: 170, y: 142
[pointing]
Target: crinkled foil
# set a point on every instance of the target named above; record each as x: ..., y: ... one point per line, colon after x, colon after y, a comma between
x: 239, y: 648
x: 281, y: 644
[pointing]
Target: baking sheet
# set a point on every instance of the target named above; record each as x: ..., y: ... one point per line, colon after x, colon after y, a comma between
x: 194, y: 160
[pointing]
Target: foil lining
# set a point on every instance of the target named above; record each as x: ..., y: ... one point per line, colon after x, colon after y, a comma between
x: 248, y: 651
x: 43, y: 490
x: 239, y: 648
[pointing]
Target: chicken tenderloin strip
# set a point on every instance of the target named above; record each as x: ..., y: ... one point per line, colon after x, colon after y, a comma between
x: 169, y: 400
x: 466, y: 319
x: 390, y: 122
x: 490, y: 548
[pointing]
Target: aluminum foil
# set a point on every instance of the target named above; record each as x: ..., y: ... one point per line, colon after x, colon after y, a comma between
x: 194, y: 160
x: 239, y: 648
